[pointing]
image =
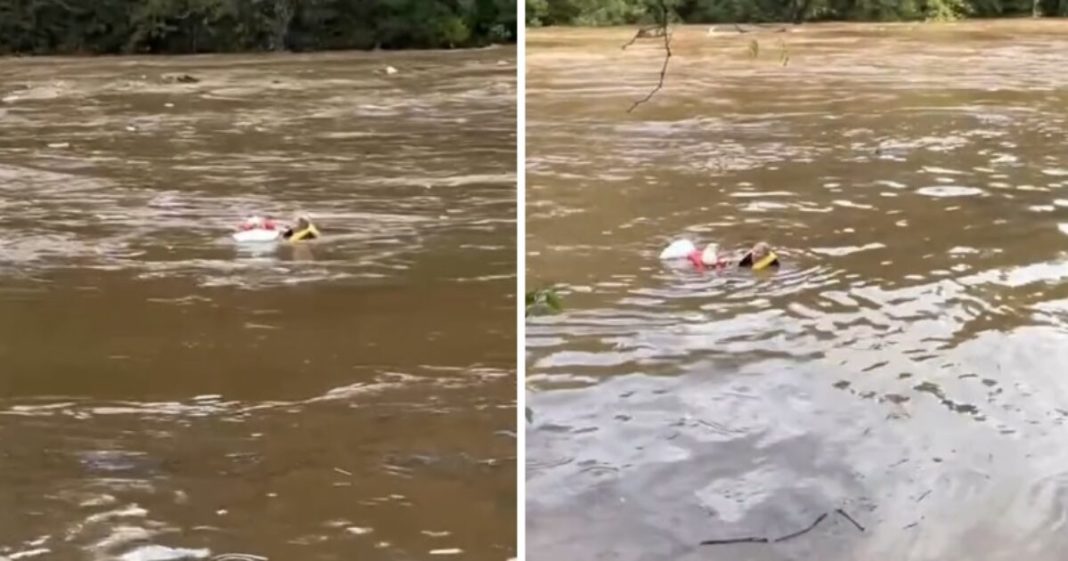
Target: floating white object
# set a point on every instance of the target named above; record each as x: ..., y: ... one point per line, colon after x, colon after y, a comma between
x: 678, y: 249
x: 390, y: 70
x: 710, y: 255
x: 257, y: 236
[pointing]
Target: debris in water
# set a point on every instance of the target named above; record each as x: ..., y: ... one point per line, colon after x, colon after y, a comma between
x: 168, y: 104
x: 59, y: 145
x: 343, y: 472
x: 358, y: 530
x: 809, y: 528
x: 179, y: 79
x: 849, y: 518
x: 450, y: 551
x: 391, y: 71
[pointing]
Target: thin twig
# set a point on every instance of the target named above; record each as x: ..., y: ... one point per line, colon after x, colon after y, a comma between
x: 802, y: 532
x: 667, y: 57
x: 849, y: 518
x: 735, y: 540
x: 805, y: 531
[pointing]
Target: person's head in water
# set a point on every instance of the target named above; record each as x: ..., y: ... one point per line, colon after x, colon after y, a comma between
x: 759, y: 257
x: 303, y: 230
x: 760, y: 250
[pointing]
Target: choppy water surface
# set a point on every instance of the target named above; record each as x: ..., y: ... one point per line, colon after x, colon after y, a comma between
x: 906, y: 365
x: 167, y: 395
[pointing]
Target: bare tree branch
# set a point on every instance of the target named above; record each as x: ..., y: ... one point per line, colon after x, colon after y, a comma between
x: 638, y: 35
x: 662, y: 26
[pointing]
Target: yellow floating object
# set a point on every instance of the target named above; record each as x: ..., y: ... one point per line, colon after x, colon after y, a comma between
x: 766, y: 262
x: 309, y: 233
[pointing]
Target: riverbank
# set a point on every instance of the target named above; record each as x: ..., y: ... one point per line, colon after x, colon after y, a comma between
x: 625, y: 12
x: 215, y: 26
x: 696, y: 35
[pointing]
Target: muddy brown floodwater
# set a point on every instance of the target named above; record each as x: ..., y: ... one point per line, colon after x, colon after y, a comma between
x: 167, y: 395
x: 906, y: 365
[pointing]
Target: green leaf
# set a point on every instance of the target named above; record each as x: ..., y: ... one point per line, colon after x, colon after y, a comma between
x: 543, y: 302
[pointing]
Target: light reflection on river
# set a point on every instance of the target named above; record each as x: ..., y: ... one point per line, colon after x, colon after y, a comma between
x: 905, y: 365
x: 165, y: 394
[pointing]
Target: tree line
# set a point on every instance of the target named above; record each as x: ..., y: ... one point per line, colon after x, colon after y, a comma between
x: 620, y: 12
x: 208, y: 26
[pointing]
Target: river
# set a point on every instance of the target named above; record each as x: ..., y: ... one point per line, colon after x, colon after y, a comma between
x: 166, y: 394
x: 901, y: 366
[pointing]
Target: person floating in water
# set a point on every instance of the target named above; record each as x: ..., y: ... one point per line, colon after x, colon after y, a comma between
x: 258, y: 229
x: 303, y: 231
x: 758, y: 258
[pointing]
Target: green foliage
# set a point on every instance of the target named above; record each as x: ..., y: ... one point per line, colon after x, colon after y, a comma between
x: 200, y: 26
x: 619, y: 12
x: 543, y: 302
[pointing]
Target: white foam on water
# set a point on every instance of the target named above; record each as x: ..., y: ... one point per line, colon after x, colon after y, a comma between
x: 27, y: 553
x: 851, y: 204
x: 942, y: 171
x: 846, y: 250
x: 163, y: 553
x: 949, y: 191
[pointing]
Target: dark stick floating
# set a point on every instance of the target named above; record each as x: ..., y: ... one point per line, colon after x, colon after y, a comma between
x: 809, y: 528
